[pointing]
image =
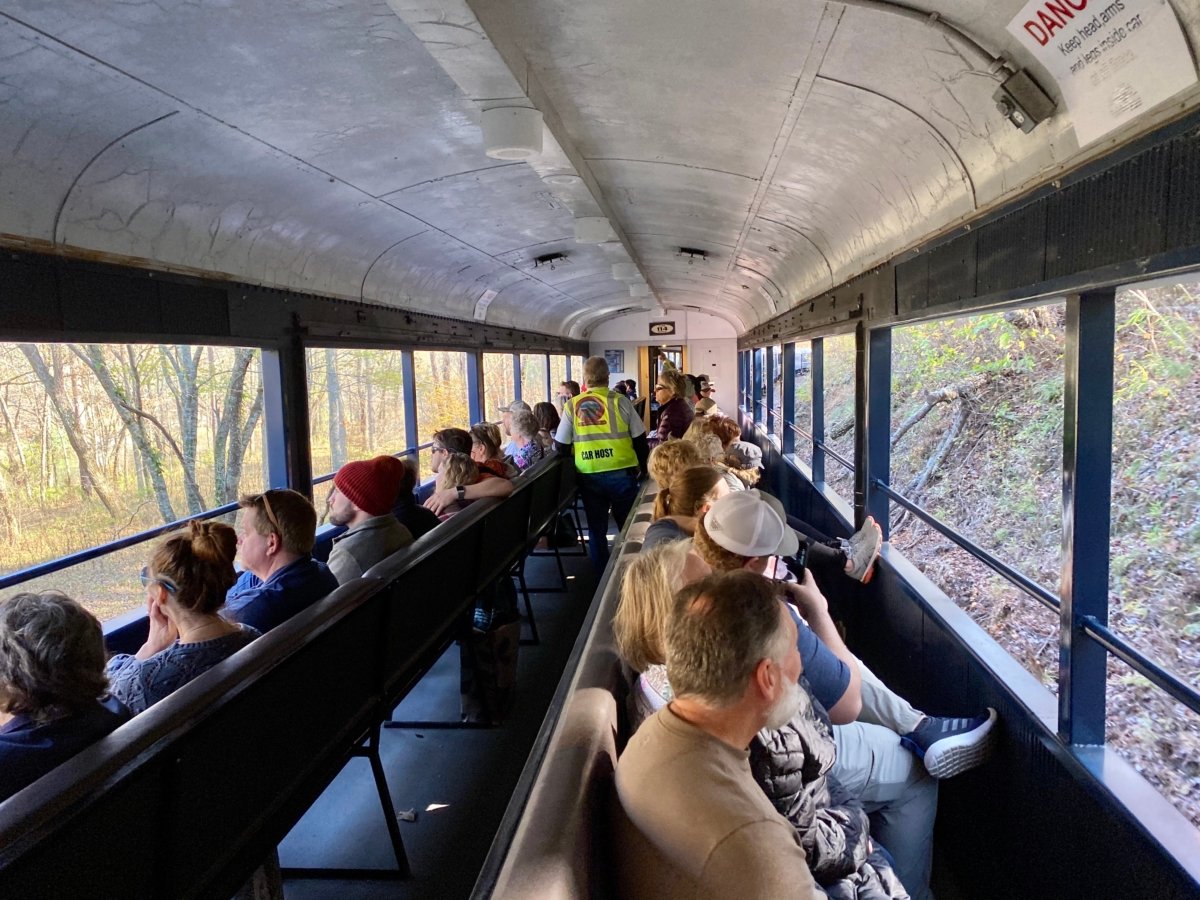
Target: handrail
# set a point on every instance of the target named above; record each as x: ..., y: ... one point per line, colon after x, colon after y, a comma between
x: 408, y: 451
x: 1136, y: 660
x: 825, y: 448
x: 74, y: 559
x: 1028, y: 585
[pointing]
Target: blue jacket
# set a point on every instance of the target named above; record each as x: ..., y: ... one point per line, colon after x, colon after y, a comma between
x: 265, y: 604
x: 29, y: 750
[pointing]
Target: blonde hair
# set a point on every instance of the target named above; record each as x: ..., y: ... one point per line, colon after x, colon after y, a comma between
x: 197, y: 562
x: 647, y: 599
x: 717, y: 557
x: 669, y: 457
x: 687, y: 491
x: 694, y: 431
x: 458, y: 470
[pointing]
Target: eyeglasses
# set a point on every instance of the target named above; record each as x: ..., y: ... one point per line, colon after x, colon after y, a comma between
x: 659, y: 387
x: 270, y: 514
x: 147, y: 580
x: 437, y: 449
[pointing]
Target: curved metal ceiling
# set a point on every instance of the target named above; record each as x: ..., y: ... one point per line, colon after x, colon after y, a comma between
x: 335, y: 148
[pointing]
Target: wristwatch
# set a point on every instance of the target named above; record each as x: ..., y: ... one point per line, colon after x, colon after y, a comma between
x: 462, y: 492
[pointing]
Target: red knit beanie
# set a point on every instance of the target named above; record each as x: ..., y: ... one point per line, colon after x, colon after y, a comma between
x: 371, y: 485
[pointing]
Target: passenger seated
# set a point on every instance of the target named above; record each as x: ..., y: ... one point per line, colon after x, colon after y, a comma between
x: 485, y: 450
x: 525, y: 437
x: 362, y: 498
x: 280, y: 577
x: 411, y: 514
x: 458, y: 471
x: 878, y: 755
x: 695, y: 823
x: 678, y: 504
x: 54, y: 698
x: 548, y: 421
x: 671, y: 457
x: 456, y: 440
x: 791, y: 763
x: 506, y: 412
x: 185, y: 582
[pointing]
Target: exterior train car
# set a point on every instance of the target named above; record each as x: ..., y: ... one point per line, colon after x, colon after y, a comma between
x: 939, y: 262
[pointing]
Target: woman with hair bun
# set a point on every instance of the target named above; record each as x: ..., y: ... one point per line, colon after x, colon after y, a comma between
x: 185, y: 583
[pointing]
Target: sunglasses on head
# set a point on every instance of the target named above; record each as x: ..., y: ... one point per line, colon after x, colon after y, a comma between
x: 148, y: 579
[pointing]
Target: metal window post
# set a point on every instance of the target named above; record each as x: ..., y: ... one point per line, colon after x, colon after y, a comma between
x: 475, y: 386
x: 568, y: 357
x: 546, y: 363
x: 1087, y: 502
x: 769, y: 363
x: 872, y: 439
x: 789, y: 398
x: 516, y: 358
x: 755, y: 366
x: 285, y: 416
x: 411, y: 425
x: 818, y: 410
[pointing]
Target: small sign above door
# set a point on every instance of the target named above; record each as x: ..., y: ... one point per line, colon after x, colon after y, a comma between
x: 659, y: 329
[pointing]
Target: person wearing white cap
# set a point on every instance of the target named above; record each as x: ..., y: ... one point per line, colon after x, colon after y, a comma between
x: 748, y: 530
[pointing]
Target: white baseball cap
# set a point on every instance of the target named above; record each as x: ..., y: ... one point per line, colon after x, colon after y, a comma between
x: 749, y: 524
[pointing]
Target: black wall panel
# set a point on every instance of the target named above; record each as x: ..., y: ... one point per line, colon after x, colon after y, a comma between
x: 1012, y: 250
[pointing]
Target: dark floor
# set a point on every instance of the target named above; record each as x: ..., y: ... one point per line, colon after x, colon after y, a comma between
x: 458, y: 781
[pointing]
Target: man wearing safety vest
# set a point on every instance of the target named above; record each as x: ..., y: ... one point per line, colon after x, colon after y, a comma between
x: 608, y: 441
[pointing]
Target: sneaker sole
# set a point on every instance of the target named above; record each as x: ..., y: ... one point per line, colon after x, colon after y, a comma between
x: 953, y: 756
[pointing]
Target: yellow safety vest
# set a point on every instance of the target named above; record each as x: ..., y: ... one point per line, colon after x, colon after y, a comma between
x: 602, y: 442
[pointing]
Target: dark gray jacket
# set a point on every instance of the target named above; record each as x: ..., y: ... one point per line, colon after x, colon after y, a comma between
x: 791, y: 764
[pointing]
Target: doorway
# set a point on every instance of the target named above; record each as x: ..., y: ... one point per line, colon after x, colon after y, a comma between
x: 651, y: 360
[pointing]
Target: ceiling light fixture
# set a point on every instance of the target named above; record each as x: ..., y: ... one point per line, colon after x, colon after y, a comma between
x: 512, y: 132
x: 693, y: 254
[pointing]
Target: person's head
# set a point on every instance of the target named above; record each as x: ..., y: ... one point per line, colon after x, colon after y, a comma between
x: 567, y: 390
x: 744, y: 530
x: 408, y: 483
x: 726, y: 430
x: 744, y: 455
x: 669, y: 457
x: 524, y: 427
x: 506, y: 412
x: 365, y: 488
x: 448, y: 440
x: 547, y: 417
x: 731, y: 643
x: 671, y: 384
x: 458, y: 470
x: 620, y: 388
x: 192, y: 568
x: 691, y: 389
x: 485, y: 442
x: 647, y: 601
x: 709, y: 448
x: 702, y: 385
x: 705, y: 406
x: 277, y: 527
x: 595, y: 372
x: 52, y: 659
x: 690, y: 492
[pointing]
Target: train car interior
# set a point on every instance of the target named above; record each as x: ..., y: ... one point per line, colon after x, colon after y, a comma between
x: 780, y: 196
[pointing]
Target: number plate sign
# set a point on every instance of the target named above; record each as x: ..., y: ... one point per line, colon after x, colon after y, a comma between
x: 660, y: 329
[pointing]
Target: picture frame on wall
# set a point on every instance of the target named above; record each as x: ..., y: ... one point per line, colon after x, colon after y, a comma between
x: 615, y: 360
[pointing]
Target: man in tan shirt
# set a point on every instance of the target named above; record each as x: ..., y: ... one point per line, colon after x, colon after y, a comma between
x: 693, y: 823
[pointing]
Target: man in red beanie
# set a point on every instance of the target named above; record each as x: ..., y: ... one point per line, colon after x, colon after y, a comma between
x: 362, y: 498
